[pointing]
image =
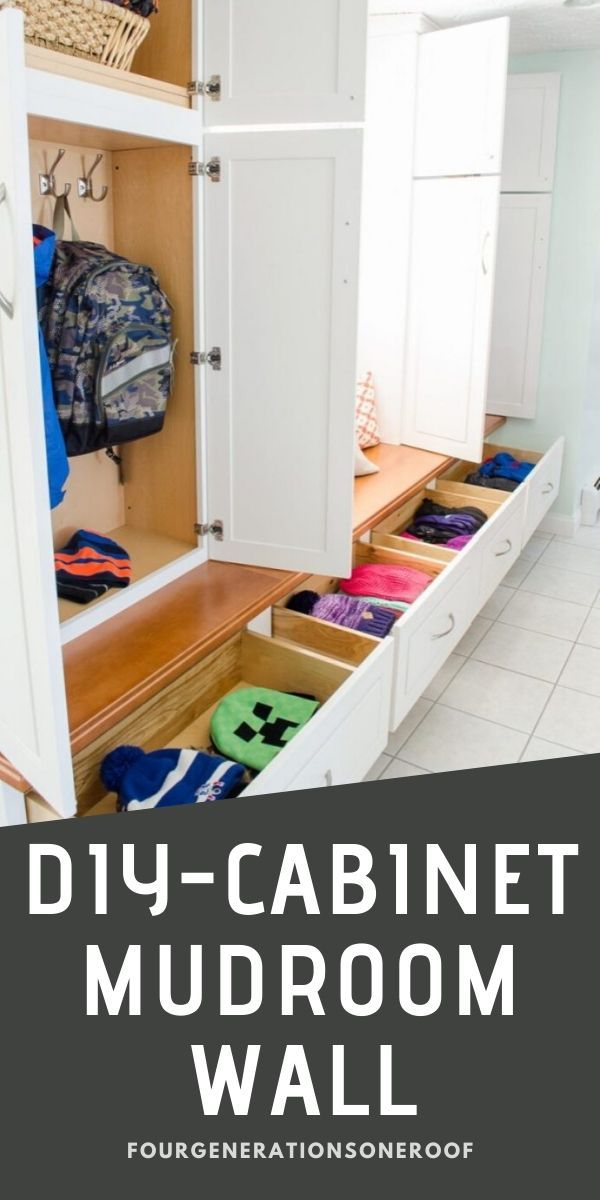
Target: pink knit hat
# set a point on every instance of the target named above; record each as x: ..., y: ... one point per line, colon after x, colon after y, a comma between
x: 386, y: 582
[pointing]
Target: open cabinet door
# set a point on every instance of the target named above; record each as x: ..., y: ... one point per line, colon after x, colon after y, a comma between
x: 34, y: 733
x: 285, y: 61
x: 281, y: 270
x: 451, y: 298
x: 461, y: 96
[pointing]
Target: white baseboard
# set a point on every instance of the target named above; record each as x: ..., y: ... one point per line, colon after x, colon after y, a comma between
x: 561, y: 525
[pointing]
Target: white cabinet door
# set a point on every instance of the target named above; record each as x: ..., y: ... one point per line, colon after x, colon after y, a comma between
x: 461, y: 100
x: 518, y: 320
x: 451, y: 291
x: 33, y: 719
x: 281, y: 270
x: 285, y: 61
x: 530, y: 130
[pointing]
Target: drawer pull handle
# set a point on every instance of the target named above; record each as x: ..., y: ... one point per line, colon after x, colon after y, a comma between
x: 503, y: 553
x: 484, y: 263
x: 329, y: 777
x: 547, y: 490
x: 5, y: 304
x: 436, y: 637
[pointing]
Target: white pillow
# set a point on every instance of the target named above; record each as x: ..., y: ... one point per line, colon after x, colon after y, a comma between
x: 362, y: 466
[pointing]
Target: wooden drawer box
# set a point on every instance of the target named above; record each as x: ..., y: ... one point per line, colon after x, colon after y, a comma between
x: 425, y: 634
x: 354, y: 689
x: 541, y: 487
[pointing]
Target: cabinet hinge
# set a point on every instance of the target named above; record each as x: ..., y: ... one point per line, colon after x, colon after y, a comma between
x: 212, y: 89
x: 215, y: 528
x: 212, y: 358
x: 211, y: 170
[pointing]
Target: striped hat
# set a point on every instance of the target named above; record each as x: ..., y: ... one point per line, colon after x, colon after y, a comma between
x: 89, y: 565
x: 165, y: 778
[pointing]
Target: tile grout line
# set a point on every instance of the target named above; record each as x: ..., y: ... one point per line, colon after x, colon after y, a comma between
x: 432, y: 704
x: 541, y: 716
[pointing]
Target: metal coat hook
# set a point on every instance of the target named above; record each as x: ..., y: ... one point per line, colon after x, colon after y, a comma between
x: 85, y: 186
x: 48, y: 181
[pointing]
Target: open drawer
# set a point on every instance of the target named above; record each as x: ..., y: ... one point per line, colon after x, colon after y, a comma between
x: 433, y: 626
x: 390, y: 532
x: 429, y: 630
x: 498, y: 541
x: 540, y: 488
x: 339, y: 745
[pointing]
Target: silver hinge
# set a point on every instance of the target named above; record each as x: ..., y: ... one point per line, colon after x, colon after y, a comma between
x: 216, y: 529
x: 211, y: 169
x: 212, y: 89
x: 212, y: 358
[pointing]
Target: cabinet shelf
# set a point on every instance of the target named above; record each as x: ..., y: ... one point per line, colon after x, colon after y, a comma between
x: 102, y: 114
x: 86, y: 71
x: 148, y: 551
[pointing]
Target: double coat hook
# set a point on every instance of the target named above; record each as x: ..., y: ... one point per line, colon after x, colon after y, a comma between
x: 85, y: 186
x: 48, y: 180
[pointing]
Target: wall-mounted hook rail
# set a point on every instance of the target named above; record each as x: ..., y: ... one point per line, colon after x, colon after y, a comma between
x: 48, y: 180
x: 85, y: 186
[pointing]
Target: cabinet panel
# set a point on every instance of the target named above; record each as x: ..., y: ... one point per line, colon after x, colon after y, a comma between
x: 518, y: 318
x: 451, y: 290
x: 543, y: 486
x: 281, y: 61
x: 531, y: 124
x: 461, y: 100
x: 432, y: 628
x: 33, y: 721
x: 281, y: 250
x: 501, y: 542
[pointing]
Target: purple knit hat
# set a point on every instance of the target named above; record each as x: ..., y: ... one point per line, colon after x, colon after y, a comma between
x: 355, y: 614
x: 349, y: 611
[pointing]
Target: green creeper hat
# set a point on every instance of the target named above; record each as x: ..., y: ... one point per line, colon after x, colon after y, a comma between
x: 251, y: 726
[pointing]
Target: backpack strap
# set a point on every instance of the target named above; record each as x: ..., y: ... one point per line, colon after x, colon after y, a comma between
x: 62, y: 209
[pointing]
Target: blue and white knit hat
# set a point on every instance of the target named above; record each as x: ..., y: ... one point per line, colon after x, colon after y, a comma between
x: 164, y: 778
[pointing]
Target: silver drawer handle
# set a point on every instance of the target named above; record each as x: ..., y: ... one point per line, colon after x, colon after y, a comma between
x: 484, y: 264
x: 5, y: 304
x: 329, y: 777
x: 436, y: 637
x: 503, y: 553
x: 547, y: 490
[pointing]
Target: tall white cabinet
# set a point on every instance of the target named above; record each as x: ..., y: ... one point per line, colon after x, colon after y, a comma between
x: 532, y: 112
x: 260, y: 254
x: 426, y: 307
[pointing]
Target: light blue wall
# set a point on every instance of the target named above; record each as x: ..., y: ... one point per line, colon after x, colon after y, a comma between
x: 568, y: 399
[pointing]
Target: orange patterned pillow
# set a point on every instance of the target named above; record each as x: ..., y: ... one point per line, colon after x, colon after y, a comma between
x: 367, y: 425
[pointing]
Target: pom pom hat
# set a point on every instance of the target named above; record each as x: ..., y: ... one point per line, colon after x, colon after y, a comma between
x: 165, y: 778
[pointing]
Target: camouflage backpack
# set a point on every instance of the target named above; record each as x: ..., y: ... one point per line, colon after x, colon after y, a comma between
x: 107, y: 329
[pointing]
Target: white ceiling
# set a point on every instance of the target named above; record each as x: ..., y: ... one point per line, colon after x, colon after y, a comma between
x: 536, y: 25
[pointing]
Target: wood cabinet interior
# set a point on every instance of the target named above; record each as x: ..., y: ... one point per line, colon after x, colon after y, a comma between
x: 181, y: 714
x: 150, y: 506
x: 459, y: 470
x: 166, y: 52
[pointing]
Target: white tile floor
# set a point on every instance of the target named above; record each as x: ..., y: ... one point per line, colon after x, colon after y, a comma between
x: 524, y: 684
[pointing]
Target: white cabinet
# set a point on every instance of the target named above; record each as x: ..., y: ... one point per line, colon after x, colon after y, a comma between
x: 461, y: 100
x: 433, y: 149
x: 517, y: 327
x: 33, y: 720
x: 451, y: 291
x: 280, y: 61
x: 532, y: 106
x: 281, y: 248
x: 260, y: 257
x: 543, y: 486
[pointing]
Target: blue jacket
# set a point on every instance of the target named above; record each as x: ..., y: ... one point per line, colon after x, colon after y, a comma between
x: 56, y: 455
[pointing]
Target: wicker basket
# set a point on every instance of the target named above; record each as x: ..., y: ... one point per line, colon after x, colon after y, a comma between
x: 92, y: 29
